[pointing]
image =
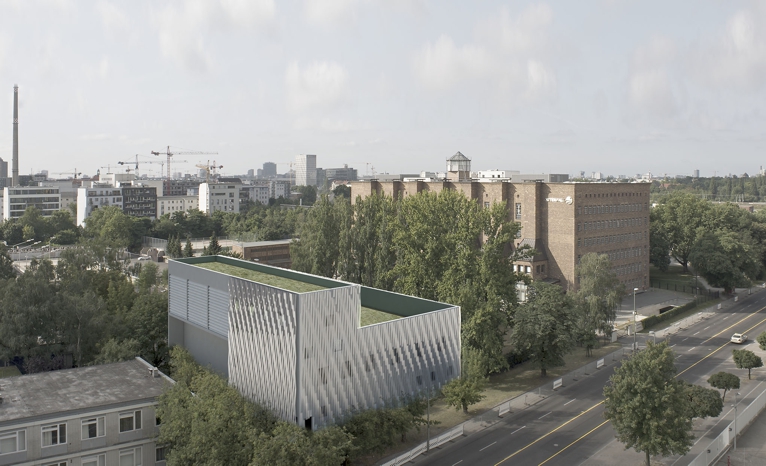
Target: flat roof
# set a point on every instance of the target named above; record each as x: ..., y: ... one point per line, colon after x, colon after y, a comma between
x: 264, y: 243
x: 82, y: 388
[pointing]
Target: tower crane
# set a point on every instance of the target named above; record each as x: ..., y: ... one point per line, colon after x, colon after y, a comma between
x: 75, y: 173
x: 136, y: 162
x: 170, y: 154
x: 208, y: 169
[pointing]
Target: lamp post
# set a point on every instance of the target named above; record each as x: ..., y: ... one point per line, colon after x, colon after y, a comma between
x: 634, y: 319
x: 428, y: 417
x: 735, y: 420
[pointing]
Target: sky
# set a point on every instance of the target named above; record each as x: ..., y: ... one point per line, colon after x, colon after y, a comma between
x: 394, y: 86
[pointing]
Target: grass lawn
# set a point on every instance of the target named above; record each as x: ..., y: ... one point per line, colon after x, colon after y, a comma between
x: 373, y: 316
x: 520, y: 379
x: 260, y: 277
x: 9, y: 371
x: 674, y: 275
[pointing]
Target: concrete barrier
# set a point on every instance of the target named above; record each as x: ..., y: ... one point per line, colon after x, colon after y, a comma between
x: 600, y: 363
x: 558, y: 383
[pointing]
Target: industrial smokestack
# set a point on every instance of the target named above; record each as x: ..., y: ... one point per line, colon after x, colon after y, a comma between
x: 15, y: 172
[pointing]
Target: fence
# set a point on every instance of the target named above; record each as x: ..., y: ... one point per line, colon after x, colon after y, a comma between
x: 197, y: 243
x: 681, y: 325
x: 420, y: 449
x: 680, y: 287
x: 720, y: 444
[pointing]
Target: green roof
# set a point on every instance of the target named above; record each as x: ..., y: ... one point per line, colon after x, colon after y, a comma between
x: 261, y: 277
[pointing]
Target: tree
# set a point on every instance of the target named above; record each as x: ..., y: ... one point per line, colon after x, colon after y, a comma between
x: 317, y: 250
x: 727, y: 258
x: 544, y: 327
x: 761, y: 339
x: 213, y: 248
x: 467, y: 389
x: 746, y: 359
x: 342, y: 190
x: 724, y: 381
x: 648, y: 407
x: 6, y: 264
x: 289, y: 445
x: 596, y: 300
x: 147, y: 277
x: 679, y: 217
x: 188, y: 249
x: 116, y: 351
x: 659, y: 246
x: 703, y: 402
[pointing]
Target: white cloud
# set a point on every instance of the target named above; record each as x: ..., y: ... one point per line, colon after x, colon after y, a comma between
x: 114, y: 20
x: 329, y: 12
x: 654, y: 91
x: 651, y: 93
x: 525, y: 33
x: 541, y: 82
x: 441, y: 65
x: 320, y: 84
x: 182, y: 29
x: 736, y: 59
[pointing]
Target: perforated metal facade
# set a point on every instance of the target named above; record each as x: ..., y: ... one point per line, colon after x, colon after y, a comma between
x: 304, y: 354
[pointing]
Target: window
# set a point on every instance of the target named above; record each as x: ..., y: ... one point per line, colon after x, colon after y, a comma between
x: 159, y: 454
x: 486, y: 205
x: 417, y: 349
x: 396, y: 355
x: 518, y: 210
x: 11, y: 442
x: 419, y: 379
x: 130, y: 457
x: 62, y: 463
x: 433, y: 376
x: 99, y: 460
x: 323, y: 375
x: 92, y: 428
x: 324, y: 411
x: 54, y: 435
x: 130, y: 421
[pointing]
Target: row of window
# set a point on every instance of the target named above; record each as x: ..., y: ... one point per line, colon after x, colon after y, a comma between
x: 129, y: 457
x: 612, y: 208
x: 627, y: 269
x: 528, y: 268
x: 16, y: 192
x: 56, y: 434
x: 613, y: 239
x: 610, y: 224
x: 613, y: 194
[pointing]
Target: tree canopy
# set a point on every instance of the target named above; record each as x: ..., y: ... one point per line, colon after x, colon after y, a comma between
x: 746, y: 359
x: 597, y: 298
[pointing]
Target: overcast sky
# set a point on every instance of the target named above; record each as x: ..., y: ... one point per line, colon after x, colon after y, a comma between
x: 616, y: 86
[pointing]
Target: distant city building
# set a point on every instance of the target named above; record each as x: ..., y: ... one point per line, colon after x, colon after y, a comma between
x: 275, y: 253
x: 98, y: 195
x: 543, y: 177
x: 345, y: 173
x: 696, y: 174
x: 263, y: 190
x: 3, y: 168
x: 99, y: 415
x: 270, y: 169
x: 17, y: 199
x: 458, y: 167
x: 321, y: 178
x: 312, y: 349
x: 139, y: 201
x: 251, y: 173
x: 305, y: 170
x: 171, y: 204
x: 496, y: 174
x: 219, y: 197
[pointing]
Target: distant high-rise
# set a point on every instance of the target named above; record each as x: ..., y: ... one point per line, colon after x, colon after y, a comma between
x: 3, y: 168
x: 15, y: 160
x: 696, y: 173
x: 269, y: 169
x: 306, y: 170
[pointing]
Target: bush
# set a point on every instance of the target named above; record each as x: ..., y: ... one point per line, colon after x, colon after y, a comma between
x: 654, y: 320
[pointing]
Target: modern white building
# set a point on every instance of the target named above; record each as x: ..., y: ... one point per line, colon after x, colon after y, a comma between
x: 171, y: 204
x: 219, y: 197
x: 482, y: 175
x: 262, y: 191
x: 97, y: 195
x: 89, y: 416
x: 17, y: 199
x: 310, y: 348
x: 305, y: 170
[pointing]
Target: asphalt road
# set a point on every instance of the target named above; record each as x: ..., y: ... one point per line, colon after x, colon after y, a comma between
x: 568, y: 427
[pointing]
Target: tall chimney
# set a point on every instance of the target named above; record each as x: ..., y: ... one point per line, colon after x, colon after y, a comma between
x: 15, y: 172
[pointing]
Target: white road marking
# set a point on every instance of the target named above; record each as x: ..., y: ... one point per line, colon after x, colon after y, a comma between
x: 673, y: 346
x: 706, y: 328
x: 457, y: 463
x: 544, y: 415
x: 517, y: 430
x: 684, y: 339
x: 691, y: 348
x: 695, y: 333
x: 726, y: 317
x: 569, y: 402
x: 488, y: 446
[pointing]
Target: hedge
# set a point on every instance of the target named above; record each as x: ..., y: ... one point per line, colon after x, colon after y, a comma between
x: 656, y: 319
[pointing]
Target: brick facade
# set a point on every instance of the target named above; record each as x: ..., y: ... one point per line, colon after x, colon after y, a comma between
x: 562, y: 221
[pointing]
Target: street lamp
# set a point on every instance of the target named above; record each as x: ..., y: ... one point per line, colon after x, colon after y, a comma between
x: 428, y: 417
x: 735, y: 419
x: 634, y: 319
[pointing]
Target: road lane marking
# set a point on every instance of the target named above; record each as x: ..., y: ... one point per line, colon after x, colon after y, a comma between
x: 488, y: 446
x: 684, y: 339
x: 519, y: 429
x: 695, y: 333
x: 570, y: 401
x: 582, y: 437
x: 549, y: 433
x: 691, y: 348
x: 706, y: 327
x: 544, y: 415
x: 672, y: 346
x: 726, y: 317
x: 457, y: 463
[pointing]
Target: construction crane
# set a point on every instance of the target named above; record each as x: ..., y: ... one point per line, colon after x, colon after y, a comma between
x: 290, y: 171
x: 75, y: 173
x: 367, y: 169
x: 161, y: 163
x: 170, y: 154
x: 208, y: 169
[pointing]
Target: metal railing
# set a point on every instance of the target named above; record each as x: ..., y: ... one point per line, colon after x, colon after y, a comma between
x: 420, y: 449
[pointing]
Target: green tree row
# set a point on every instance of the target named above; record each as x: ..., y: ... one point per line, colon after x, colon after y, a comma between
x: 726, y: 189
x: 725, y: 244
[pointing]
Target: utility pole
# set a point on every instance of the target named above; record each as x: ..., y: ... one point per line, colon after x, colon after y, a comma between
x: 634, y: 320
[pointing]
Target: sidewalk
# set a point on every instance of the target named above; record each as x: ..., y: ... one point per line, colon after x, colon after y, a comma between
x: 751, y: 448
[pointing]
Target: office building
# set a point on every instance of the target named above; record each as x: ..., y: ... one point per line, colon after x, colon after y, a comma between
x: 341, y: 174
x: 17, y: 199
x: 219, y: 197
x: 305, y: 170
x: 89, y: 416
x: 139, y: 200
x: 275, y: 253
x: 269, y: 170
x: 311, y: 349
x: 561, y: 221
x: 171, y: 204
x: 98, y: 195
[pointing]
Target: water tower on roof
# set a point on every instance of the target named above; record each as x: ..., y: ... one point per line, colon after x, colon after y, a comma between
x: 458, y: 167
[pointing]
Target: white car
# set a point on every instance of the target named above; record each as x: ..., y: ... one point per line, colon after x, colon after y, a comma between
x: 739, y: 338
x: 145, y: 258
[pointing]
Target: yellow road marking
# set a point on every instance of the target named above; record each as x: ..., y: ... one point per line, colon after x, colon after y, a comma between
x: 605, y: 422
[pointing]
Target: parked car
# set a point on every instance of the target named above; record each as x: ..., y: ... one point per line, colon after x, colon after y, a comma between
x: 145, y: 258
x: 739, y: 338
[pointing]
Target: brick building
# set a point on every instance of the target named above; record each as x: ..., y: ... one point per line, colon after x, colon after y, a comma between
x: 562, y: 221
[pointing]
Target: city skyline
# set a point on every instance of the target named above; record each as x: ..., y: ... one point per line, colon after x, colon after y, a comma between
x: 616, y: 87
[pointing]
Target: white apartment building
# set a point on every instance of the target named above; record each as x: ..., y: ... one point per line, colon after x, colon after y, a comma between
x: 482, y: 175
x: 46, y: 199
x: 171, y: 204
x: 262, y: 191
x: 95, y: 196
x: 89, y: 416
x: 219, y: 197
x: 305, y: 170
